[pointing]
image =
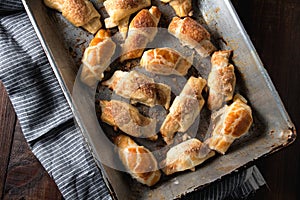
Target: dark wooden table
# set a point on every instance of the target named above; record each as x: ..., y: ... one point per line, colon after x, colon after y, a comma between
x: 274, y: 28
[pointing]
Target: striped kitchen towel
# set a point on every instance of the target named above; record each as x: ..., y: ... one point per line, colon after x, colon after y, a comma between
x: 47, y: 121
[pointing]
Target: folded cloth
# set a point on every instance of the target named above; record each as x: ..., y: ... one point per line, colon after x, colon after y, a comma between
x: 47, y: 120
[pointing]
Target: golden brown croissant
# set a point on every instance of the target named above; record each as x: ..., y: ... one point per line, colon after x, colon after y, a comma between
x: 235, y: 121
x: 186, y: 155
x: 78, y: 12
x: 221, y: 80
x: 120, y: 9
x: 142, y: 30
x: 97, y: 57
x: 184, y: 109
x: 139, y: 88
x: 192, y: 34
x: 128, y: 119
x: 182, y: 8
x: 138, y: 161
x: 165, y: 61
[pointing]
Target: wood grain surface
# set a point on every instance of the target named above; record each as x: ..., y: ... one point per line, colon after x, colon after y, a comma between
x: 21, y: 174
x: 274, y: 28
x: 7, y: 125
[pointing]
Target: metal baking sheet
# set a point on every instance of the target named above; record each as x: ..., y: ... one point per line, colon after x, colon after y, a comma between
x: 272, y: 129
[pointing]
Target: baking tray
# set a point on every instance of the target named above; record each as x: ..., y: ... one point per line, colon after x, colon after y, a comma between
x: 272, y: 129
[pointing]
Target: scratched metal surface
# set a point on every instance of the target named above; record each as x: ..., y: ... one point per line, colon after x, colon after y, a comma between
x: 272, y: 129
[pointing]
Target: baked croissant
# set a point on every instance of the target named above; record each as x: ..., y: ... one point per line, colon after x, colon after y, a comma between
x: 139, y: 88
x: 120, y: 9
x: 138, y: 161
x: 78, y: 12
x: 221, y: 80
x: 142, y: 30
x: 234, y: 121
x: 184, y: 109
x: 165, y: 61
x: 186, y: 155
x: 182, y: 8
x: 97, y: 57
x: 190, y: 33
x: 128, y: 119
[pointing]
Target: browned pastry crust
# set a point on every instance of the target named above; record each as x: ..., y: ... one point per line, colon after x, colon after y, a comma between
x: 139, y: 88
x: 182, y: 8
x: 55, y: 4
x: 221, y: 80
x: 142, y: 30
x: 120, y: 9
x: 234, y: 122
x: 184, y: 109
x: 165, y: 61
x: 138, y: 161
x: 128, y: 119
x: 192, y: 34
x: 186, y: 155
x: 97, y: 57
x: 78, y: 12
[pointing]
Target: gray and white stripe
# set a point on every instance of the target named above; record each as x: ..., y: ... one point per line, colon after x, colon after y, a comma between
x: 47, y: 121
x: 10, y: 6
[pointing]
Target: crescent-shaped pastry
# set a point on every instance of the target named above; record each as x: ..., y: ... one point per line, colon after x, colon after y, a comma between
x: 184, y: 109
x: 120, y: 9
x: 97, y: 57
x: 182, y: 8
x: 186, y: 155
x: 128, y: 119
x: 142, y: 30
x: 139, y: 88
x: 221, y: 80
x: 78, y: 12
x: 190, y: 33
x: 138, y: 161
x: 234, y: 122
x: 165, y: 61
